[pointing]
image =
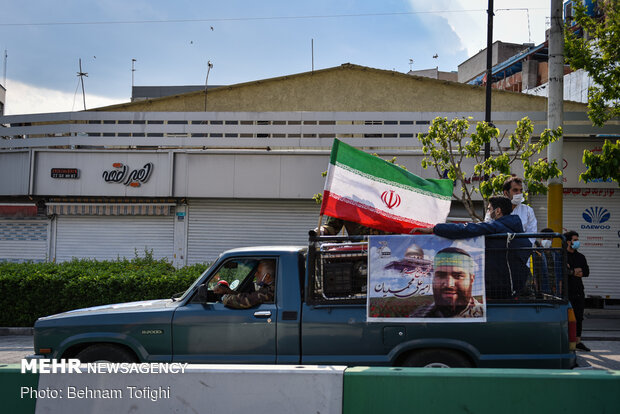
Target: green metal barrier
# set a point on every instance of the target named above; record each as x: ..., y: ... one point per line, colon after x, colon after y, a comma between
x: 436, y: 390
x: 11, y: 383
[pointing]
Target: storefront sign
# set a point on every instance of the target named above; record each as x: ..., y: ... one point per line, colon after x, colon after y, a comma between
x: 65, y: 173
x: 590, y: 192
x: 123, y: 175
x: 596, y: 218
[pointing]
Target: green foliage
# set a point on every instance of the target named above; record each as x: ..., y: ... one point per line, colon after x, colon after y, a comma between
x: 598, y: 53
x: 32, y: 290
x: 449, y: 145
x: 604, y: 165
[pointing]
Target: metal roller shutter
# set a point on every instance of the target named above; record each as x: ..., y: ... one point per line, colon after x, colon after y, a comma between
x: 216, y: 225
x: 111, y: 237
x: 23, y: 240
x: 600, y: 236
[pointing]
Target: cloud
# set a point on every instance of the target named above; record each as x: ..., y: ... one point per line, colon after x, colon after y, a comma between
x: 511, y: 26
x: 22, y: 98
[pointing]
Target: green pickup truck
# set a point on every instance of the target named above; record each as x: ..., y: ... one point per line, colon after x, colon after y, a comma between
x: 316, y: 318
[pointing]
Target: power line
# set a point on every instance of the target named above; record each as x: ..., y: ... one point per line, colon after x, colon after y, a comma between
x: 240, y: 19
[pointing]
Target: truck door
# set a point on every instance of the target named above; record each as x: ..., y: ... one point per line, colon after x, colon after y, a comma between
x: 206, y: 331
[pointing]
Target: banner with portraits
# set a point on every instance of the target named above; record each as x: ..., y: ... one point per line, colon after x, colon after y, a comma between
x: 425, y: 278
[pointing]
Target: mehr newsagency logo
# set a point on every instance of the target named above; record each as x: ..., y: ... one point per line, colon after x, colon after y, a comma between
x: 596, y: 216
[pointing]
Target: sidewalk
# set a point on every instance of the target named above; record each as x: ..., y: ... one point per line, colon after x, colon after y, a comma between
x: 601, y: 325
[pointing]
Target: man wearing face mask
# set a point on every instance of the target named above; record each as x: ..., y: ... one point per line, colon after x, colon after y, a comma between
x: 513, y: 189
x: 506, y: 270
x: 577, y: 269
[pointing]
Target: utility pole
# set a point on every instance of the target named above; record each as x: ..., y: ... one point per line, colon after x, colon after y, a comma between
x: 312, y: 52
x: 555, y: 115
x: 133, y: 69
x: 487, y: 106
x: 81, y: 75
x: 489, y: 78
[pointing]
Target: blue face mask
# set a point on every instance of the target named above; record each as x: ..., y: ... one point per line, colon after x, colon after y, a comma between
x: 576, y: 244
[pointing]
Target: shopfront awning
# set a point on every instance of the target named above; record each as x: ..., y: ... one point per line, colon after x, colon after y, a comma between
x: 110, y: 209
x: 18, y: 210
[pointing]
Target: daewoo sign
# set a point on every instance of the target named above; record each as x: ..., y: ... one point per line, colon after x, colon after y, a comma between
x: 122, y: 174
x: 596, y: 216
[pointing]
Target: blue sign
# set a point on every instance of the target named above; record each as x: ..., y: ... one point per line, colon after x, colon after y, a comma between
x: 596, y: 216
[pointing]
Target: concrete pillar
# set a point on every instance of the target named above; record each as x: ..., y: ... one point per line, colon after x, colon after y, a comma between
x: 529, y: 75
x: 179, y: 258
x: 555, y: 115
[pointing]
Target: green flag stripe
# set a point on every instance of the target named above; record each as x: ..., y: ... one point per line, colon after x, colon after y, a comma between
x: 371, y: 166
x: 407, y: 187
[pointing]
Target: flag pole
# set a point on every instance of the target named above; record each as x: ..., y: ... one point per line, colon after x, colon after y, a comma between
x: 319, y: 226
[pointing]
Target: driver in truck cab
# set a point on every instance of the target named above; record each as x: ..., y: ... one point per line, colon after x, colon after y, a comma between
x: 264, y: 278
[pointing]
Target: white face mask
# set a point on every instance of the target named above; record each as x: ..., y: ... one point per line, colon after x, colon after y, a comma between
x: 545, y: 243
x: 517, y: 199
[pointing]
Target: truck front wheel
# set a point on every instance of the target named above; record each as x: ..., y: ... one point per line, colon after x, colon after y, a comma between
x: 437, y: 358
x: 105, y: 353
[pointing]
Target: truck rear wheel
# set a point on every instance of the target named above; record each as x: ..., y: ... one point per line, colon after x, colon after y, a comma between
x: 437, y: 358
x: 105, y: 353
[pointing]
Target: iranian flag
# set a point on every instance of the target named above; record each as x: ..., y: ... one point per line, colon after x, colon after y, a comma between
x: 367, y: 190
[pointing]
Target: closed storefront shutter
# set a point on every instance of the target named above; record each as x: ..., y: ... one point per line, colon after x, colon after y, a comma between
x: 23, y: 240
x: 112, y: 237
x: 216, y: 225
x: 595, y: 215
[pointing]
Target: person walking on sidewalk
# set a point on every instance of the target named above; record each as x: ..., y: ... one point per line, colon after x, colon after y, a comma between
x: 577, y: 270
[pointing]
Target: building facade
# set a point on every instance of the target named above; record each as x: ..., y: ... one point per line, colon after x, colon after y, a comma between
x: 163, y: 175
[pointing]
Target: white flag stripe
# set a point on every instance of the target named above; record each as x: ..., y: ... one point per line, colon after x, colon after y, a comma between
x: 413, y: 205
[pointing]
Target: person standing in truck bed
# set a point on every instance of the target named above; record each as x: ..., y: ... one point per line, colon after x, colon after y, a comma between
x: 506, y: 271
x: 333, y: 226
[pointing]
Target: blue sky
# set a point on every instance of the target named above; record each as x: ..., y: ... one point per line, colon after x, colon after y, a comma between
x: 250, y: 40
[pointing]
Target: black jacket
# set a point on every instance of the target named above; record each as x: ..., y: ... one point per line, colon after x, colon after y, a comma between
x: 575, y: 284
x: 506, y: 270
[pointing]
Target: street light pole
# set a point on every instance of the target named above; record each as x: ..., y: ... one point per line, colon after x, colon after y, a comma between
x: 209, y: 66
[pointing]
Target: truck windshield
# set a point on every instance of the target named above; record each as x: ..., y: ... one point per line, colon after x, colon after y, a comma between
x: 193, y: 285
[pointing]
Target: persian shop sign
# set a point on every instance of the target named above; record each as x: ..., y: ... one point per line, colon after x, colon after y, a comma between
x: 123, y: 175
x: 65, y: 173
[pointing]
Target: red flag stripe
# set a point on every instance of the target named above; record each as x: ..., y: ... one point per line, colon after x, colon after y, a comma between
x: 349, y: 210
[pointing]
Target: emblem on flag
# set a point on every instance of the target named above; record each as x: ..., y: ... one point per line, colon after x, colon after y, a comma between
x: 391, y: 200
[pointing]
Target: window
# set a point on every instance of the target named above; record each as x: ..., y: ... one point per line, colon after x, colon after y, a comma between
x: 242, y: 275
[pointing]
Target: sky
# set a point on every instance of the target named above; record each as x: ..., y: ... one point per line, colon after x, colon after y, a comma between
x: 245, y: 40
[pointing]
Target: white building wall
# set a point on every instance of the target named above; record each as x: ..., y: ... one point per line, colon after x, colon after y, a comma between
x: 576, y: 86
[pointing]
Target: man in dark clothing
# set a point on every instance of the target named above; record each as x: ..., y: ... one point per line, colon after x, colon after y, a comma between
x: 577, y: 269
x: 506, y: 272
x: 266, y: 288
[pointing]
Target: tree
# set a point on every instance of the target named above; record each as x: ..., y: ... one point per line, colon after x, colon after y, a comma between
x: 448, y: 144
x: 605, y: 165
x: 595, y: 47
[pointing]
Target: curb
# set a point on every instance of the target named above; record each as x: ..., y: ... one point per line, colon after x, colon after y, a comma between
x: 6, y: 331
